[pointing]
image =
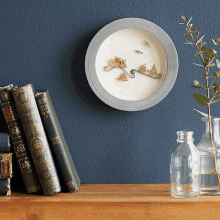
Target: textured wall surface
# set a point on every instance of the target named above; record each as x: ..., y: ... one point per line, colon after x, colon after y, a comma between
x: 44, y: 43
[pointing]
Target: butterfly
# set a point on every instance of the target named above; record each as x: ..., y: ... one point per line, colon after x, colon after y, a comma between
x: 117, y: 62
x: 138, y: 51
x: 122, y: 77
x: 152, y: 72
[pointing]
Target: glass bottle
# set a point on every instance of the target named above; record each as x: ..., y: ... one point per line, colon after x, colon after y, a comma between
x: 185, y: 178
x: 209, y: 182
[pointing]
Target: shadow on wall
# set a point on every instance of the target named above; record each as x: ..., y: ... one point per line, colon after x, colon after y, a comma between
x: 73, y: 67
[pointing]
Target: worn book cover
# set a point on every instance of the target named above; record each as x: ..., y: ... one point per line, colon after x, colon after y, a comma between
x: 18, y: 140
x: 5, y: 164
x: 57, y: 141
x: 37, y: 141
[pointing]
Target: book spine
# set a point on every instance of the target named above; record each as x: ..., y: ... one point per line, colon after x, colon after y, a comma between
x: 5, y: 144
x: 5, y: 168
x: 33, y: 128
x: 18, y: 141
x: 57, y: 141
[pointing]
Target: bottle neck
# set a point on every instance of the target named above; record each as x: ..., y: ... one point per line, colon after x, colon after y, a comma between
x: 185, y: 141
x: 215, y: 125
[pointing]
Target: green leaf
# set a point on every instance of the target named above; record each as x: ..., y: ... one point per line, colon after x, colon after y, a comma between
x: 211, y: 53
x: 204, y: 49
x: 216, y: 87
x: 193, y: 30
x: 188, y: 33
x: 201, y: 99
x: 215, y: 74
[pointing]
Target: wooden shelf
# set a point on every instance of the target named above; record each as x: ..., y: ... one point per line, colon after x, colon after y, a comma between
x: 109, y: 201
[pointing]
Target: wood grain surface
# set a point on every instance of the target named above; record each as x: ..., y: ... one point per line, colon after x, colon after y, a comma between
x: 109, y: 201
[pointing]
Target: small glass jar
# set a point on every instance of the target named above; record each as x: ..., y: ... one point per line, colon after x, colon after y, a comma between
x: 185, y: 177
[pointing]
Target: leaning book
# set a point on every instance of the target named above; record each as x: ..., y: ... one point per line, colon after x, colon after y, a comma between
x: 57, y: 142
x: 18, y: 140
x: 26, y: 106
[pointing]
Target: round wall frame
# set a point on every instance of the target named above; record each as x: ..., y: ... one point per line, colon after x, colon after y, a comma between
x: 137, y: 43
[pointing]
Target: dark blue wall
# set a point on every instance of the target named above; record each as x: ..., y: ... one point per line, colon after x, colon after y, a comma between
x: 44, y: 42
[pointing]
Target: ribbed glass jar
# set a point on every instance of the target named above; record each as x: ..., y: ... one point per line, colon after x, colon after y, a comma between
x: 209, y: 166
x: 185, y: 178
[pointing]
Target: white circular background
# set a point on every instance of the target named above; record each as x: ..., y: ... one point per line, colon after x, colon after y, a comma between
x: 122, y: 44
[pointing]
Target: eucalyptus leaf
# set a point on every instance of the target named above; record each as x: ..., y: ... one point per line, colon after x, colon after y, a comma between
x: 197, y: 64
x: 182, y: 17
x: 204, y: 49
x: 218, y: 63
x: 202, y: 113
x: 198, y: 53
x: 201, y: 99
x: 215, y: 100
x: 211, y: 65
x: 189, y: 21
x: 216, y: 87
x: 211, y: 53
x: 198, y: 87
x: 200, y: 39
x: 193, y: 30
x: 188, y: 33
x: 191, y: 43
x: 214, y: 42
x: 215, y: 74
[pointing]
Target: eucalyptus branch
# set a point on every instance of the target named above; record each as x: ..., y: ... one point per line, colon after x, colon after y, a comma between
x: 207, y: 56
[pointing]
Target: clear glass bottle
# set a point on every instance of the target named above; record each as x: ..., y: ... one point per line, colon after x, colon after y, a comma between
x: 185, y: 178
x: 209, y: 182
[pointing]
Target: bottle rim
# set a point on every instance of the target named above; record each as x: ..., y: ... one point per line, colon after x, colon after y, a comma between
x: 185, y: 135
x: 185, y: 132
x: 212, y: 118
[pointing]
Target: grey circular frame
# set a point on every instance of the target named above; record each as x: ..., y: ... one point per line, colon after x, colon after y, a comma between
x: 172, y: 62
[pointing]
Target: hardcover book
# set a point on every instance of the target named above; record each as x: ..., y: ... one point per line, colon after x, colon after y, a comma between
x: 5, y: 164
x: 34, y: 131
x: 18, y: 140
x: 57, y: 142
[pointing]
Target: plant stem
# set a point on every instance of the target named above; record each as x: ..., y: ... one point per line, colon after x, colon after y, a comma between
x: 213, y: 149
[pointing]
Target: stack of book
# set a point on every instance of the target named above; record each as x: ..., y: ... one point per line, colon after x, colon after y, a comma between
x: 39, y: 144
